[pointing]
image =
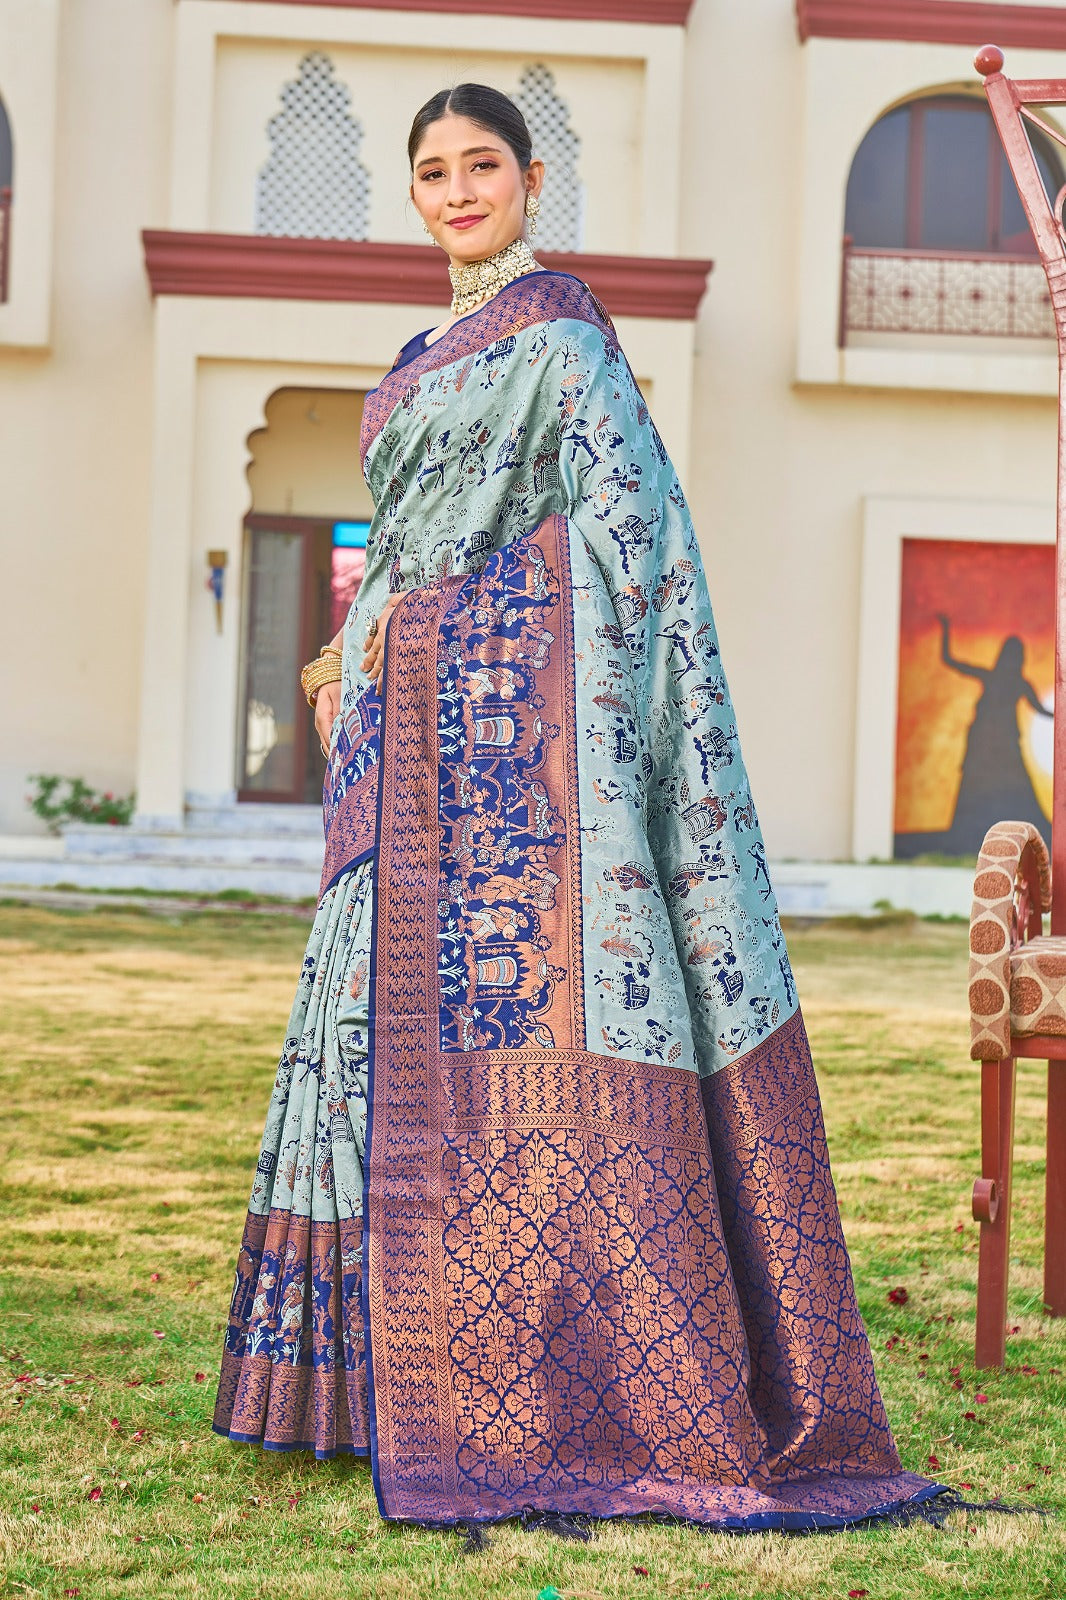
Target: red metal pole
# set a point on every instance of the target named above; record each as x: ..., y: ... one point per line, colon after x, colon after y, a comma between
x: 1055, y: 1213
x: 993, y: 1262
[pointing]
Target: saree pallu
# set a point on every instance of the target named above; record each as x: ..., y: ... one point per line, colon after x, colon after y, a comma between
x: 596, y: 1265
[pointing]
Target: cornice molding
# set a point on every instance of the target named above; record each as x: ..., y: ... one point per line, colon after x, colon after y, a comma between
x: 671, y: 12
x: 967, y: 22
x: 255, y: 266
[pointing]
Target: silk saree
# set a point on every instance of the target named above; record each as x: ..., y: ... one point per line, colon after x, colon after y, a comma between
x: 543, y: 1219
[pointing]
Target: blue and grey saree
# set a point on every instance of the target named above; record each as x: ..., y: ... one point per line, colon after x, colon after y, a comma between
x: 543, y: 1217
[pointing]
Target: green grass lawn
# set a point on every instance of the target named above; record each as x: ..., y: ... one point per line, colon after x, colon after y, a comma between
x: 138, y: 1056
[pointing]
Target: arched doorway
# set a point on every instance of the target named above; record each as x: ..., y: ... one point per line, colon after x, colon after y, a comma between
x: 305, y: 547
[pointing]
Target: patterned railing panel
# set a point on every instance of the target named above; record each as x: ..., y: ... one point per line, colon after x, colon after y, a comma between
x: 939, y: 292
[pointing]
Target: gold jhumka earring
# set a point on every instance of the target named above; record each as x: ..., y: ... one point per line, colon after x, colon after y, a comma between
x: 532, y: 212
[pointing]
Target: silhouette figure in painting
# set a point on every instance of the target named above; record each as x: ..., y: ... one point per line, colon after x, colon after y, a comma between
x: 994, y: 781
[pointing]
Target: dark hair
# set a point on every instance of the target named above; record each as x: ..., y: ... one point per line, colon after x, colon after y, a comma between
x: 486, y: 107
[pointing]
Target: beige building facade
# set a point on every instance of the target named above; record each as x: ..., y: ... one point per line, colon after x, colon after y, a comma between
x: 177, y: 380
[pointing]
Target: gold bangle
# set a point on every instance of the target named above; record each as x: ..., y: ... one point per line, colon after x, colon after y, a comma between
x: 316, y: 673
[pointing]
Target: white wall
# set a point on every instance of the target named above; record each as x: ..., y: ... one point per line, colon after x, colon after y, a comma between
x: 75, y: 417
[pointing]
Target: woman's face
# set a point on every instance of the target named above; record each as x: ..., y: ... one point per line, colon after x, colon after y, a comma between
x: 469, y: 189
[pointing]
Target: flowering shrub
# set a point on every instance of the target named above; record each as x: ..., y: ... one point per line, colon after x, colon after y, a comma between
x: 79, y: 802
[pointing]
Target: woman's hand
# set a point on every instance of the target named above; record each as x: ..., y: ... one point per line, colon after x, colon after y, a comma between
x: 373, y: 663
x: 327, y: 704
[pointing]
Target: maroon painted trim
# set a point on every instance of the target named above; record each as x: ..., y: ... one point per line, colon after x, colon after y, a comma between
x: 673, y: 12
x: 969, y: 22
x: 254, y: 266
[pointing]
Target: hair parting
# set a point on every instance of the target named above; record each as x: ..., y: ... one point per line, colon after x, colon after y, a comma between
x: 486, y: 108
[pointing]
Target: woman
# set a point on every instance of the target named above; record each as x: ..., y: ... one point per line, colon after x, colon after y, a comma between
x: 543, y: 1218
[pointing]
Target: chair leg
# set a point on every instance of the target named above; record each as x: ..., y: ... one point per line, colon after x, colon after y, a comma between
x: 1055, y: 1210
x: 991, y: 1206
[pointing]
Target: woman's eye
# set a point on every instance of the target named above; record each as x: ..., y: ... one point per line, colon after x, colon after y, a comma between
x: 427, y: 177
x: 491, y: 165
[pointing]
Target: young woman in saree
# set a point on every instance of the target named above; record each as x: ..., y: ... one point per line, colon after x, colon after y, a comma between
x: 543, y: 1219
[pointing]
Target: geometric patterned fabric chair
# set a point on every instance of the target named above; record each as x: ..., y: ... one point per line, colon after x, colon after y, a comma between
x: 1017, y: 1008
x: 1017, y: 981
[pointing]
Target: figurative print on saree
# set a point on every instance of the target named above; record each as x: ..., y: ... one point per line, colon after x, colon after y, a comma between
x: 543, y: 1219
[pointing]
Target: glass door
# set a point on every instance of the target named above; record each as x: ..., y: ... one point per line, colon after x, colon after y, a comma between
x: 302, y: 575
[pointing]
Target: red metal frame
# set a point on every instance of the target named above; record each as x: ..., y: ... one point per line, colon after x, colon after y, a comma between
x: 5, y: 241
x: 1014, y: 105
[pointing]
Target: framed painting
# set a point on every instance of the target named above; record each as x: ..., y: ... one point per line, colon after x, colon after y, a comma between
x: 956, y: 679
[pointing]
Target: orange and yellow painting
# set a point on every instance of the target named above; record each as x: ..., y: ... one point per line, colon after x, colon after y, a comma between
x: 976, y: 681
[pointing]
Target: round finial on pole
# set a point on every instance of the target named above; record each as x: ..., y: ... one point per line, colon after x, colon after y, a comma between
x: 989, y: 59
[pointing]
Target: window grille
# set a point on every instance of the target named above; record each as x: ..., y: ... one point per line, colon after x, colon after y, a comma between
x: 314, y: 186
x: 561, y: 223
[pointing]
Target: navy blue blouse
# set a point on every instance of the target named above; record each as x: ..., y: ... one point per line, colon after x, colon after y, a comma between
x: 413, y: 347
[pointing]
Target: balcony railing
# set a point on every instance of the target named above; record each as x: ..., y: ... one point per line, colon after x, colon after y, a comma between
x: 943, y: 292
x: 5, y: 240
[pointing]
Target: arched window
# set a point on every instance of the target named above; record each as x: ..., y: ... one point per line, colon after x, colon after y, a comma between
x: 931, y: 175
x: 560, y: 225
x: 313, y: 185
x: 6, y: 173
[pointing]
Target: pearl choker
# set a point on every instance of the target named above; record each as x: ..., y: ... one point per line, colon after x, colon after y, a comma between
x: 475, y: 281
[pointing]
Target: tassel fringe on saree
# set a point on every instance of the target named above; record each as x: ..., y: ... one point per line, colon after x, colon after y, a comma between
x: 543, y: 1218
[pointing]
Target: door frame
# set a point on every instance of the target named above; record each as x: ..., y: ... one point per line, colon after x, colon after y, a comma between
x: 306, y: 528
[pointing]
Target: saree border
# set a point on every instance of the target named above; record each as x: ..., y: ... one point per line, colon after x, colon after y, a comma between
x: 431, y: 604
x: 407, y: 825
x: 500, y: 318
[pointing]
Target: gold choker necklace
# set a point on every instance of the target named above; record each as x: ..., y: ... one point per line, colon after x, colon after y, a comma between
x: 475, y: 281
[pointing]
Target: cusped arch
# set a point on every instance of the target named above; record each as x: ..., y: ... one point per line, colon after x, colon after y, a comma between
x: 930, y: 174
